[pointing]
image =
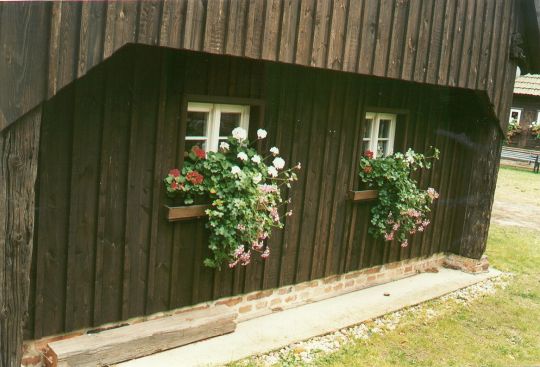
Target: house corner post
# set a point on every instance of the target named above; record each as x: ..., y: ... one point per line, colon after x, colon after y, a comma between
x: 479, y: 197
x: 19, y: 147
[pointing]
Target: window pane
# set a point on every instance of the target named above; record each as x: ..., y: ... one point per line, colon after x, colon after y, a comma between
x: 384, y: 128
x: 367, y: 128
x: 229, y: 120
x: 191, y: 143
x: 381, y: 148
x: 196, y: 123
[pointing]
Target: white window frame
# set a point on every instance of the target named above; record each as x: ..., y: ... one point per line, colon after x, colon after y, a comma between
x: 374, y: 139
x: 214, y: 111
x: 518, y: 110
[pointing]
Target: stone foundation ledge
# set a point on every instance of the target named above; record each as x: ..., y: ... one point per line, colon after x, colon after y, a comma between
x: 264, y: 302
x: 466, y: 264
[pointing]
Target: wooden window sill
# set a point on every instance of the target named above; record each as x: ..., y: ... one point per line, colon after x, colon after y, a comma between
x: 364, y: 195
x: 176, y: 213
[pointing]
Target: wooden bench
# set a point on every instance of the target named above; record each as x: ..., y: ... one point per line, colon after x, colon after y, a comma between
x: 522, y: 155
x: 141, y: 339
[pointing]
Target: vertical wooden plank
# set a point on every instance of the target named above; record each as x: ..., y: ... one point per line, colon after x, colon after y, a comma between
x: 288, y: 34
x: 476, y: 46
x: 173, y: 21
x: 195, y: 25
x: 446, y: 44
x: 53, y: 211
x: 112, y: 190
x: 489, y: 25
x: 87, y: 132
x: 125, y: 23
x: 427, y: 24
x: 149, y: 21
x: 352, y: 35
x: 337, y: 35
x: 236, y: 27
x: 495, y: 45
x: 321, y: 25
x: 255, y: 28
x: 411, y: 40
x: 397, y: 41
x: 272, y: 24
x: 215, y: 26
x: 459, y: 52
x: 19, y: 148
x: 467, y: 47
x: 140, y: 181
x: 502, y: 56
x: 91, y: 36
x: 384, y: 31
x: 435, y: 41
x: 369, y: 36
x: 305, y: 32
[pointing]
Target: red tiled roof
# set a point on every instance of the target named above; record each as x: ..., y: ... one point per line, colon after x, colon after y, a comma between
x: 528, y: 85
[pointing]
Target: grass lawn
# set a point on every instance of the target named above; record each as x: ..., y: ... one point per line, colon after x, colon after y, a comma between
x: 500, y: 329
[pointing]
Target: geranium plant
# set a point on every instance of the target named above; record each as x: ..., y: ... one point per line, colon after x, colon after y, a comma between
x: 514, y: 128
x: 402, y: 209
x: 535, y: 129
x: 244, y: 192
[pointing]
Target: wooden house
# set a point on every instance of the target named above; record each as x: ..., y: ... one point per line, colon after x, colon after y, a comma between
x: 525, y: 110
x: 96, y: 97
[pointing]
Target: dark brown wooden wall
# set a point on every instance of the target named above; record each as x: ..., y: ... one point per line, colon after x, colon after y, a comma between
x: 457, y: 43
x: 103, y: 248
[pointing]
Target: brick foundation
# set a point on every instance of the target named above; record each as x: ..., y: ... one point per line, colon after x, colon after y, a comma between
x: 263, y: 302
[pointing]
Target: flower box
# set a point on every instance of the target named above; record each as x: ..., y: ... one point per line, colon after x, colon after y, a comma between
x: 176, y: 213
x: 364, y: 195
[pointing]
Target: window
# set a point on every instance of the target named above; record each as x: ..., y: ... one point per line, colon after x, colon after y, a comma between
x: 379, y: 131
x: 515, y: 114
x: 208, y: 124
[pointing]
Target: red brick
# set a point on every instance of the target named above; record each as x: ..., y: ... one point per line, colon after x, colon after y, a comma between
x: 373, y: 270
x: 290, y: 298
x: 338, y: 287
x: 261, y: 304
x: 371, y: 278
x: 353, y: 275
x: 285, y: 290
x: 276, y: 301
x: 301, y: 286
x: 245, y: 309
x: 31, y: 360
x: 393, y: 265
x: 230, y: 301
x: 349, y: 283
x: 408, y: 269
x: 331, y: 279
x: 259, y: 295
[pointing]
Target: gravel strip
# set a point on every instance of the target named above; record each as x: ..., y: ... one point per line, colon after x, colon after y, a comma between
x: 303, y: 353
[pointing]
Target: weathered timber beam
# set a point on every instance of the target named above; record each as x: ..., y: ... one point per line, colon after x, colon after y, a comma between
x: 19, y: 146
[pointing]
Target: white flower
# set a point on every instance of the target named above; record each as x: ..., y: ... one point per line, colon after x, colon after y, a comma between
x: 235, y: 170
x: 239, y: 134
x: 261, y: 133
x: 274, y: 151
x: 256, y: 159
x: 278, y: 162
x: 272, y: 171
x: 257, y: 178
x: 242, y: 156
x: 224, y: 146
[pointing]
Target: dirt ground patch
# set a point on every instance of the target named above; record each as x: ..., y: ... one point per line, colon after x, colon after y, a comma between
x: 517, y: 198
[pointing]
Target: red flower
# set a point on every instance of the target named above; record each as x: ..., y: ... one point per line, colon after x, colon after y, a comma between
x: 200, y: 153
x: 174, y: 185
x: 195, y: 177
x: 368, y: 154
x: 175, y: 172
x: 368, y: 169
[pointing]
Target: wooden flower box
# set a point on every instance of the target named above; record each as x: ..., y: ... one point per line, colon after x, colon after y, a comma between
x: 364, y: 195
x: 187, y: 212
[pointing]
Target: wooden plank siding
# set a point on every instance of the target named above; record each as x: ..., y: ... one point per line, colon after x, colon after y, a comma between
x: 105, y: 249
x: 461, y: 43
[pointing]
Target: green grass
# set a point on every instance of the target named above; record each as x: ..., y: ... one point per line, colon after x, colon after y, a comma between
x: 502, y: 329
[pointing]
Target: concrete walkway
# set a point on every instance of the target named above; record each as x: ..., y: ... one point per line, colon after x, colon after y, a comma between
x: 277, y: 330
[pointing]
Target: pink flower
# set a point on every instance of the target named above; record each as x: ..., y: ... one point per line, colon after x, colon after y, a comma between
x: 239, y: 251
x: 425, y: 223
x: 405, y: 243
x: 389, y: 236
x: 233, y: 264
x: 266, y: 253
x: 432, y: 193
x: 420, y: 229
x: 396, y: 226
x: 256, y: 245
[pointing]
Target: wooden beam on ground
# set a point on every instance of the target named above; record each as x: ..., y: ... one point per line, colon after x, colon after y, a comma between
x: 142, y: 339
